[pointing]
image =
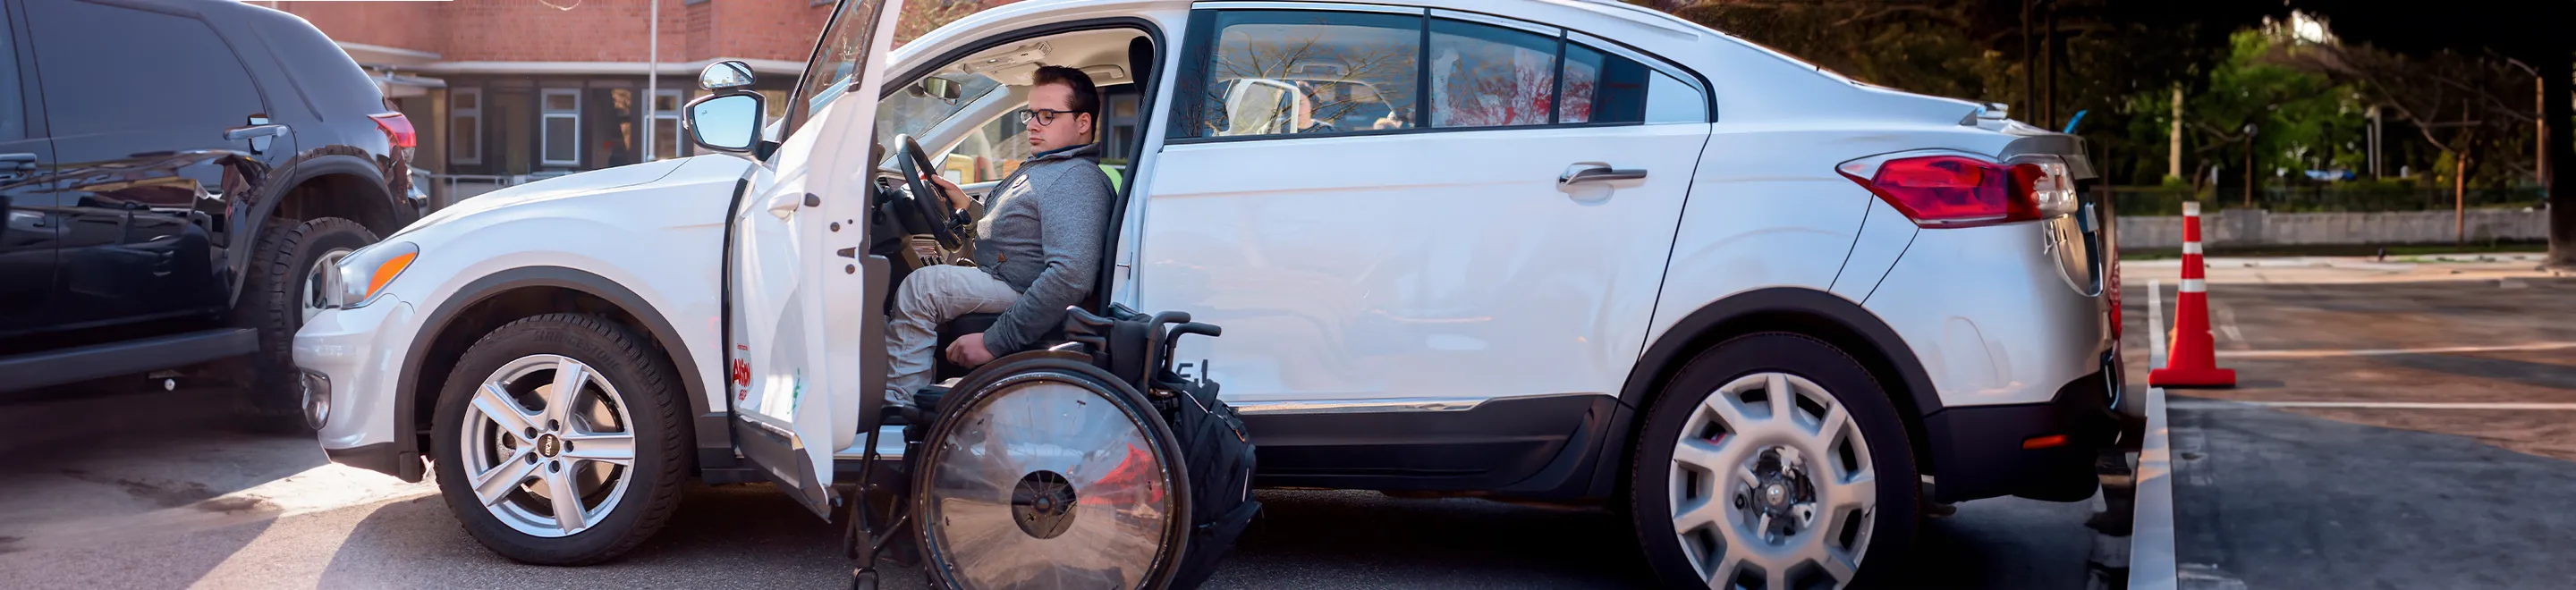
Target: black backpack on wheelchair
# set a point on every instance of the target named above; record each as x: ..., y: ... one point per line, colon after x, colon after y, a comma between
x: 1088, y: 464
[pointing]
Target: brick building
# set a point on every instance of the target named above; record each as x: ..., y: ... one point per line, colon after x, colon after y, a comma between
x: 522, y: 88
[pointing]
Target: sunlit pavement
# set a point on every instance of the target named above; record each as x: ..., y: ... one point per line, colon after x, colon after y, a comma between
x: 161, y: 493
x: 156, y: 490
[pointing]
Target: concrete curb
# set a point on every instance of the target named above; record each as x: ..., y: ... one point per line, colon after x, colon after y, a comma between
x: 2151, y: 532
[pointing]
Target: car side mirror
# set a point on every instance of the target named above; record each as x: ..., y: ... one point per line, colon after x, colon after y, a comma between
x: 725, y: 75
x: 725, y: 122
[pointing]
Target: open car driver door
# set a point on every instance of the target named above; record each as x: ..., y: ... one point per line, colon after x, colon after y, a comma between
x: 801, y: 333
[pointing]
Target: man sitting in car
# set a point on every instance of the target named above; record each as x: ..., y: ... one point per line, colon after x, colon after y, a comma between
x: 1036, y: 244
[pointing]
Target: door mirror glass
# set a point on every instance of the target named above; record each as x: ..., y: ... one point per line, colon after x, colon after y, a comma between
x: 944, y: 89
x: 725, y: 75
x: 725, y: 123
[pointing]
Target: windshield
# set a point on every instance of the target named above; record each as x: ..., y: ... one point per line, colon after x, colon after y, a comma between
x: 837, y: 60
x: 911, y: 110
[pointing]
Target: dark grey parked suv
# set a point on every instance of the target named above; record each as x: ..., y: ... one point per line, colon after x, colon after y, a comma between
x: 172, y: 172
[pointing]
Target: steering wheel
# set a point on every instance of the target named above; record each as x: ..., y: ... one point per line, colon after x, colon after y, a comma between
x: 926, y: 197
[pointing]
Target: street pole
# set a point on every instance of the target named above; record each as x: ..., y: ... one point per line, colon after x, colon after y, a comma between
x: 2249, y: 165
x: 2173, y: 155
x: 652, y: 71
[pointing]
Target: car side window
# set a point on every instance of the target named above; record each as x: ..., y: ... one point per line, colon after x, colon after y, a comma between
x: 111, y: 69
x: 992, y: 152
x: 1605, y: 87
x: 13, y: 117
x: 1292, y: 72
x: 1489, y: 76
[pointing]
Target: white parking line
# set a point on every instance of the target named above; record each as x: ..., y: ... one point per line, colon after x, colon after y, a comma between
x: 2303, y: 354
x: 2155, y: 324
x: 2151, y: 528
x: 2238, y: 405
x: 2227, y: 322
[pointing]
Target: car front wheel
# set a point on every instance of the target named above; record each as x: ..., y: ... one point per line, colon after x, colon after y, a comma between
x: 1772, y: 461
x: 559, y: 440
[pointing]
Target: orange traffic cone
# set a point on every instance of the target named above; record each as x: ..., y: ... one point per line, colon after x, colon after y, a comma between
x: 2193, y: 361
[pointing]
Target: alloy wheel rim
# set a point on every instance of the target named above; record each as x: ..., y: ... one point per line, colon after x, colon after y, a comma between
x: 1772, y: 486
x: 548, y: 445
x: 318, y: 282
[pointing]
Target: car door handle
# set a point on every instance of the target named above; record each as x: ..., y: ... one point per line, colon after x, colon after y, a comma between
x: 784, y: 205
x: 17, y: 162
x: 242, y: 133
x: 1599, y: 173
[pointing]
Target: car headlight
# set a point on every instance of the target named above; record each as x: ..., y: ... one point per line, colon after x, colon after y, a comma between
x: 364, y: 273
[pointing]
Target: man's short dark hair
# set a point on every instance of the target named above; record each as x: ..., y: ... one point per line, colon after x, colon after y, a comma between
x: 1086, y: 97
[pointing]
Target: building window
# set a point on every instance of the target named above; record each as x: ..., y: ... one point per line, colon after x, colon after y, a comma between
x: 559, y: 138
x: 666, y: 125
x: 465, y: 125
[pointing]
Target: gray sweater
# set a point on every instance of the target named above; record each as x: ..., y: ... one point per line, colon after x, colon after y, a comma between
x: 1042, y: 236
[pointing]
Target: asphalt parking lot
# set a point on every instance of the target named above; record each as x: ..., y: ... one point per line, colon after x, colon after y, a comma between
x: 169, y: 496
x: 157, y: 490
x: 2382, y: 435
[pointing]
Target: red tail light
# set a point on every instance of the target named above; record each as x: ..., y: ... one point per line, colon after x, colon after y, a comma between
x: 1963, y: 191
x: 396, y: 127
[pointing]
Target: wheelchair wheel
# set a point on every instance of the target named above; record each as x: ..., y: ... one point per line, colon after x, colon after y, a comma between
x: 1051, y: 475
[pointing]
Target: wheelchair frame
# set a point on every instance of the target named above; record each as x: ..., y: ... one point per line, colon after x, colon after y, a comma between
x: 1103, y: 361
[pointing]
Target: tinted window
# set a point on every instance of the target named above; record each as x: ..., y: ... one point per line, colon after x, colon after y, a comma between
x: 1310, y: 72
x: 115, y: 69
x: 1602, y: 87
x: 333, y: 82
x: 1487, y: 76
x: 13, y: 118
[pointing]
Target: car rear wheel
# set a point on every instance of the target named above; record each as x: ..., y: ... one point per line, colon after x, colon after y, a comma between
x: 1772, y: 461
x: 560, y: 440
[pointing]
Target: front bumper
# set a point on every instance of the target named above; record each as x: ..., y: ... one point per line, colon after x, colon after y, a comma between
x: 2043, y: 451
x: 359, y: 353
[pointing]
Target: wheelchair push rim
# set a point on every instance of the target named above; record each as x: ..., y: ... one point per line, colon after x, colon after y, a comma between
x: 1051, y: 478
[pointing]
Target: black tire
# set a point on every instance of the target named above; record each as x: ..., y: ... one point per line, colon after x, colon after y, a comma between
x: 272, y: 301
x: 650, y: 390
x: 1890, y: 452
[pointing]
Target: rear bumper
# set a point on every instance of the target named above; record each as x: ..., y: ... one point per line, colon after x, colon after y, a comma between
x: 2000, y: 450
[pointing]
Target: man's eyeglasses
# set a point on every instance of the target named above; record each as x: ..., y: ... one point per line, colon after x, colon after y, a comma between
x: 1044, y: 117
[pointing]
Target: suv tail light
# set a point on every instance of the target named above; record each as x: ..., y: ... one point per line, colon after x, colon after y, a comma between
x: 396, y: 127
x: 1958, y: 190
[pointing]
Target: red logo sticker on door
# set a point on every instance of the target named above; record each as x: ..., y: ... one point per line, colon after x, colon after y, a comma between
x: 741, y: 379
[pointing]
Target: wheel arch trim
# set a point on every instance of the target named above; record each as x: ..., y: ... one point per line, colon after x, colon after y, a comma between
x: 245, y: 227
x: 1757, y: 310
x: 656, y: 325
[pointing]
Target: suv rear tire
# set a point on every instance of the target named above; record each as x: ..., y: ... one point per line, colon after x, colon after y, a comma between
x: 1734, y: 480
x: 274, y: 301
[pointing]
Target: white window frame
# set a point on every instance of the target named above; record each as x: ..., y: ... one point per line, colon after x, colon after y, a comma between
x: 544, y: 130
x: 667, y: 121
x: 453, y: 156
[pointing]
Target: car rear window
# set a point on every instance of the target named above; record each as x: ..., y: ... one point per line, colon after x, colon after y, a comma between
x: 334, y: 84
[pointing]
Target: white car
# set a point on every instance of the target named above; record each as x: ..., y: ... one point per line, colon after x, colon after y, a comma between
x: 1583, y: 252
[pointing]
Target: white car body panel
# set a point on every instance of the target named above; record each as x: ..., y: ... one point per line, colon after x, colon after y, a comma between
x: 1426, y: 265
x: 1988, y: 312
x: 660, y: 237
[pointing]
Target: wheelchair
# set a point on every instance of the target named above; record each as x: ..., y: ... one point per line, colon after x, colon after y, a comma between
x: 1052, y: 468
